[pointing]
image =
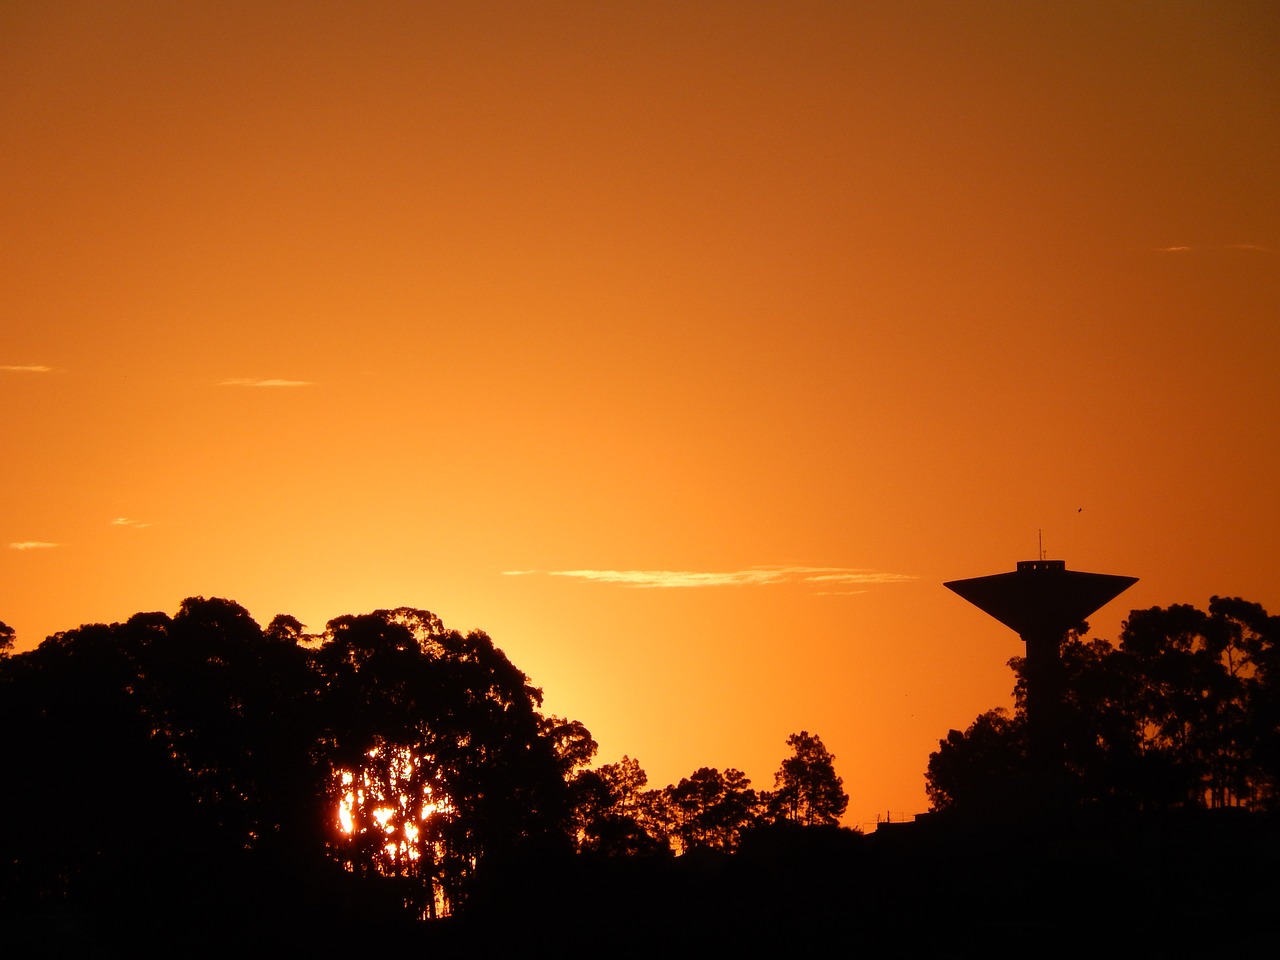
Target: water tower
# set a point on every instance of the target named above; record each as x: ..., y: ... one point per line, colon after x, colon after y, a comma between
x: 1041, y: 601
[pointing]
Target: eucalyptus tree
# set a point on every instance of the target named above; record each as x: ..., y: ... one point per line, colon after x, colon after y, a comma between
x: 165, y: 752
x: 438, y: 759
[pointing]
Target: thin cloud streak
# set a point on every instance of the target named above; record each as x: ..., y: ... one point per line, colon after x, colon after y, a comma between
x: 1182, y: 248
x: 33, y: 545
x: 25, y: 368
x: 753, y: 576
x: 857, y: 576
x: 246, y: 382
x: 127, y: 522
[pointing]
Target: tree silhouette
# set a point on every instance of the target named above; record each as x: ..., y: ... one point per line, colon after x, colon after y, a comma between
x: 615, y: 815
x: 1182, y: 713
x: 710, y: 809
x: 196, y: 776
x: 984, y: 766
x: 439, y: 762
x: 158, y: 759
x: 174, y: 753
x: 806, y: 788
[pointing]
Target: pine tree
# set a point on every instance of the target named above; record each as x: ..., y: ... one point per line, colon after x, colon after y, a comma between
x: 807, y: 790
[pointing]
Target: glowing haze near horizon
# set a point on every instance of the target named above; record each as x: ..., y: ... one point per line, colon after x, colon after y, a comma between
x: 685, y: 348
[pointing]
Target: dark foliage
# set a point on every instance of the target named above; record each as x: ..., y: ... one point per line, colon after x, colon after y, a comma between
x: 205, y: 767
x: 197, y: 784
x: 806, y: 788
x: 1183, y: 713
x: 709, y: 811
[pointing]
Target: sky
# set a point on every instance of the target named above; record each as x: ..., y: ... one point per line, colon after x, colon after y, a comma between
x: 684, y: 348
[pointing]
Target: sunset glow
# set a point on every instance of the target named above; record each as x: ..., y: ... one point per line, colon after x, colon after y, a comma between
x: 685, y: 348
x: 388, y: 798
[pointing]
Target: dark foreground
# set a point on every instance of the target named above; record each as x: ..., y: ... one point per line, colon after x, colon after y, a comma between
x: 1201, y: 885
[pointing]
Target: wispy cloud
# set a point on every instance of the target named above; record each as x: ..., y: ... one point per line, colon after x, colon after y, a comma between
x: 33, y: 545
x: 127, y: 522
x: 247, y: 382
x: 1185, y: 248
x: 25, y: 368
x: 752, y: 576
x: 836, y: 575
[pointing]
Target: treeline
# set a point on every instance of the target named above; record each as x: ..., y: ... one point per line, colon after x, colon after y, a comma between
x: 1183, y: 713
x: 198, y: 783
x: 387, y: 765
x: 708, y: 810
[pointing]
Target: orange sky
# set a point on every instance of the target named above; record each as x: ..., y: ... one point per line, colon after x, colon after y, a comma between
x: 324, y: 307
